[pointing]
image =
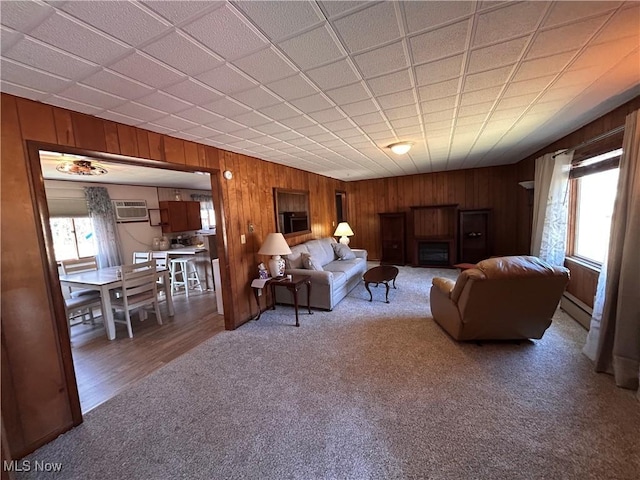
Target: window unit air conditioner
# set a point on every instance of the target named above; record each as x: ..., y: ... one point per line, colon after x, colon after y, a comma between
x: 131, y: 211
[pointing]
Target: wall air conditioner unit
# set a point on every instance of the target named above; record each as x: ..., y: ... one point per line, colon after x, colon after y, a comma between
x: 131, y: 211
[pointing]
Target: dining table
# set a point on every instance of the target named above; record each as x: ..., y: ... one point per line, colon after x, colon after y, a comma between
x: 106, y: 279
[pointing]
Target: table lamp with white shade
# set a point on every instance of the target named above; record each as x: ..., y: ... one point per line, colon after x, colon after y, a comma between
x: 344, y: 232
x: 275, y: 245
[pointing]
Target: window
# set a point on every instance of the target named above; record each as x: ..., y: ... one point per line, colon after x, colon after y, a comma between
x: 207, y: 215
x: 72, y: 237
x: 594, y: 186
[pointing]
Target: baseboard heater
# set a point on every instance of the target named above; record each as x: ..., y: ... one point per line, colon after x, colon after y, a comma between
x: 577, y: 309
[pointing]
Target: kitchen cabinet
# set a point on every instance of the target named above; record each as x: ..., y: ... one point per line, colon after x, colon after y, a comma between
x: 179, y: 216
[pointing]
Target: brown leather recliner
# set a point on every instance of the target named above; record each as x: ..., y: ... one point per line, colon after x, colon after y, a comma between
x: 503, y: 298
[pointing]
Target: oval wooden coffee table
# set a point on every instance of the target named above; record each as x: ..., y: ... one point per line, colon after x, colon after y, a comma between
x: 380, y: 274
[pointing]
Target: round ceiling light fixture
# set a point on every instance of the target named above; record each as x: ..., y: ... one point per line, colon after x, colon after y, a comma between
x: 80, y: 167
x: 400, y: 148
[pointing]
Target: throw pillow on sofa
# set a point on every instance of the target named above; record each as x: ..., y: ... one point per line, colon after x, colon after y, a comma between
x: 310, y: 263
x: 343, y: 251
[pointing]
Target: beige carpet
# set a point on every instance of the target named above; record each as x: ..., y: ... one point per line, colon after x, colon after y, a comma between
x: 368, y: 391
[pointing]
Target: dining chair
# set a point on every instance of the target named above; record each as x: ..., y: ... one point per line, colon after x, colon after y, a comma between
x: 141, y: 257
x: 81, y: 307
x: 162, y: 261
x: 139, y: 289
x: 80, y: 265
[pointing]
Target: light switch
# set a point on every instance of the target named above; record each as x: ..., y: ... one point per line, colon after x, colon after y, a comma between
x: 243, y: 239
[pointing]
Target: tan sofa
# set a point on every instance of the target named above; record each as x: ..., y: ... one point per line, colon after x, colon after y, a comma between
x: 502, y: 298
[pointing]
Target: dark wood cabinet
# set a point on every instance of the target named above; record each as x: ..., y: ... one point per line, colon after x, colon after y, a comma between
x: 474, y: 239
x: 179, y: 216
x: 392, y: 238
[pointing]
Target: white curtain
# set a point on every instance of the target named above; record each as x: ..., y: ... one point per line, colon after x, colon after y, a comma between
x: 614, y: 336
x: 103, y: 217
x: 550, y: 207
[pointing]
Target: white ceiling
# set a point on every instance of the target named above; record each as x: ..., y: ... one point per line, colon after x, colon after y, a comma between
x: 124, y: 174
x: 325, y: 86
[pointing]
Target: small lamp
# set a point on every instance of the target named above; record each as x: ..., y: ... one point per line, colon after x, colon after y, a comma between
x: 275, y: 245
x: 344, y: 232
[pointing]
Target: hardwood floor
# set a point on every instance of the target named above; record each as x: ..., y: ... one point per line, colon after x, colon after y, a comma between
x: 103, y: 368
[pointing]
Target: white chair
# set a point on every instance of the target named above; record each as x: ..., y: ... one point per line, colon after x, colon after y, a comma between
x: 139, y: 289
x: 141, y: 257
x: 80, y: 265
x: 81, y: 307
x: 184, y: 274
x: 162, y: 261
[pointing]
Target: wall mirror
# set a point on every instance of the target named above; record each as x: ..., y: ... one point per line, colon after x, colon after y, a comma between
x: 292, y: 211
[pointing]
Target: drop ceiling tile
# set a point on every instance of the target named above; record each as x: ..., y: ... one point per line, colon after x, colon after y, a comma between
x: 328, y: 115
x: 145, y: 69
x: 405, y: 122
x: 624, y: 23
x: 411, y: 132
x: 312, y: 48
x: 338, y: 8
x: 280, y: 111
x: 438, y: 105
x: 127, y: 21
x: 423, y: 15
x: 584, y: 76
x: 182, y: 53
x: 543, y: 66
x: 24, y: 16
x: 380, y: 126
x: 562, y: 12
x: 311, y: 130
x: 249, y: 134
x: 507, y: 114
x: 535, y: 85
x: 605, y: 54
x: 382, y: 60
x: 272, y: 140
x: 359, y: 108
x: 226, y: 79
x: 510, y: 21
x: 312, y: 103
x: 443, y: 116
x: 280, y: 19
x: 24, y: 92
x: 333, y: 75
x: 495, y: 56
x: 301, y: 142
x: 72, y: 36
x: 476, y: 109
x: 34, y: 53
x: 518, y: 101
x: 75, y: 106
x: 392, y: 82
x: 225, y: 125
x: 226, y: 33
x: 28, y: 77
x: 256, y: 98
x: 117, y: 84
x: 8, y: 38
x: 562, y: 39
x: 199, y: 115
x: 400, y: 112
x: 470, y: 120
x: 490, y: 78
x: 443, y: 42
x: 439, y: 71
x: 91, y: 96
x: 349, y: 94
x: 338, y: 125
x: 271, y: 128
x: 226, y: 107
x: 138, y: 111
x: 348, y: 135
x: 398, y: 99
x: 293, y: 87
x: 193, y: 91
x: 297, y: 122
x: 369, y: 27
x: 438, y: 90
x: 113, y: 116
x: 480, y: 96
x: 265, y: 66
x: 178, y: 12
x: 175, y: 123
x: 164, y: 102
x: 225, y: 139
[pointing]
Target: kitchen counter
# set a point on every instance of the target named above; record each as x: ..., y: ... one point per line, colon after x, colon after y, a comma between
x: 186, y: 250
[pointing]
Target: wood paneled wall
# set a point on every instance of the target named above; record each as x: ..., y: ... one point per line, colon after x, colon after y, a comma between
x: 39, y: 400
x: 492, y: 187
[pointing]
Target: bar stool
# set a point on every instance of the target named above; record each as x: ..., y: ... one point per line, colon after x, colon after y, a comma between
x: 184, y: 274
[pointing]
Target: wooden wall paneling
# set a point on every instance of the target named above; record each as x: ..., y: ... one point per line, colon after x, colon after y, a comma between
x: 211, y: 157
x: 583, y: 283
x: 36, y: 121
x: 142, y: 138
x: 156, y: 146
x: 192, y: 155
x: 248, y: 206
x: 111, y: 137
x: 89, y: 132
x: 128, y: 140
x: 27, y: 323
x: 64, y: 127
x: 173, y: 150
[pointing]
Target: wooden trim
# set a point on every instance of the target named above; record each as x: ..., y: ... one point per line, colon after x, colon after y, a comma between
x: 608, y: 164
x: 571, y: 221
